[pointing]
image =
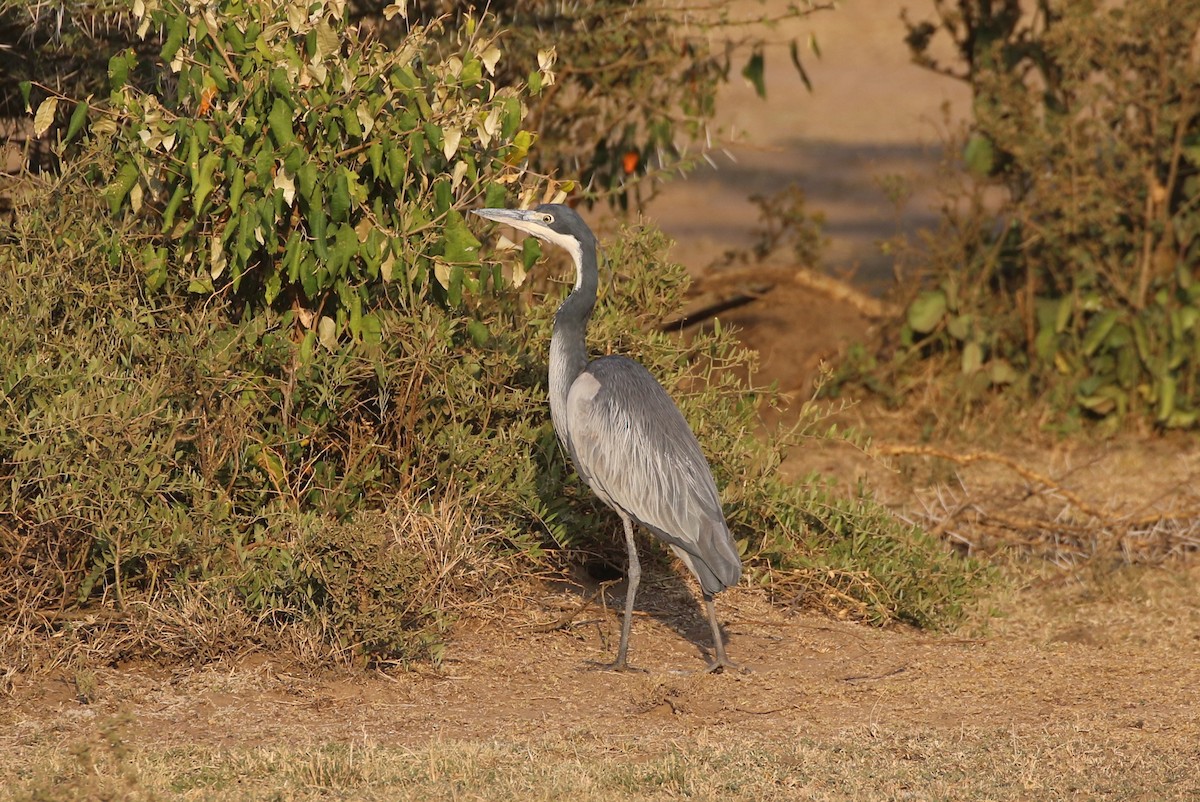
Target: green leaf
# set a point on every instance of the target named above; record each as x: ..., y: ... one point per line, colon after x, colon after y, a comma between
x: 339, y: 200
x: 280, y: 122
x: 979, y: 155
x: 1063, y: 316
x: 118, y: 190
x: 1001, y: 372
x: 118, y: 69
x: 472, y: 72
x: 173, y: 206
x: 1098, y: 329
x: 307, y: 177
x: 479, y: 332
x: 959, y: 327
x: 25, y: 87
x: 531, y: 251
x: 926, y: 311
x: 236, y: 187
x: 753, y: 72
x: 461, y: 245
x: 154, y: 265
x: 375, y: 158
x: 972, y: 358
x: 78, y: 118
x: 1166, y: 397
x: 495, y: 196
x: 204, y: 183
x: 175, y: 33
x: 795, y: 52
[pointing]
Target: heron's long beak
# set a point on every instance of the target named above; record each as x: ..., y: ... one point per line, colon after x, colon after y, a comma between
x: 522, y: 219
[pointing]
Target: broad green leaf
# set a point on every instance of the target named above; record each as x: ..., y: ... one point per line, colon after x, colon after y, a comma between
x: 1001, y: 372
x: 495, y: 196
x: 372, y: 329
x: 280, y: 122
x: 175, y: 34
x: 926, y: 311
x: 531, y: 251
x: 972, y: 358
x: 472, y: 72
x: 479, y: 332
x: 461, y: 245
x: 753, y: 72
x: 339, y: 200
x: 118, y: 69
x: 959, y: 327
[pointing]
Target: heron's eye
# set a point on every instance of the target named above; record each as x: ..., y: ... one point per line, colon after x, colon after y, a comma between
x: 547, y: 219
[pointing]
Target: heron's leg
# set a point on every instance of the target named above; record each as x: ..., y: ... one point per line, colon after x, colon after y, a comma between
x: 633, y: 576
x: 721, y: 662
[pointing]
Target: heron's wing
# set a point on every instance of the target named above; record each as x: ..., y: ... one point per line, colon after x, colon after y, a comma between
x: 635, y: 450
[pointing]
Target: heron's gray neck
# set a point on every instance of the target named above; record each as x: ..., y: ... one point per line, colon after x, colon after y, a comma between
x: 568, y: 345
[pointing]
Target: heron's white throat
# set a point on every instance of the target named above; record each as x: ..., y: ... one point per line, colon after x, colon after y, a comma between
x: 571, y: 246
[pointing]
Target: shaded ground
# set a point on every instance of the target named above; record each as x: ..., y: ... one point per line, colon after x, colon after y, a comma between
x: 1072, y: 684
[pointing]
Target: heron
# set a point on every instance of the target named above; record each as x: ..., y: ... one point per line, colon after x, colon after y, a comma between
x: 625, y: 436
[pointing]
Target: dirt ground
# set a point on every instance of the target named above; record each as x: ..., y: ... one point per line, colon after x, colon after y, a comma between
x: 1065, y: 684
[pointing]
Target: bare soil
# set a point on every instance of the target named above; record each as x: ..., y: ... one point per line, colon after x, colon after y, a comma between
x: 1065, y: 684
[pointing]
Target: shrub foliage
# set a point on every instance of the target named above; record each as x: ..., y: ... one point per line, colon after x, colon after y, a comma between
x: 1082, y: 284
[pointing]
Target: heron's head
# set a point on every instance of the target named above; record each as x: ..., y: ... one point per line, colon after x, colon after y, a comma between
x: 550, y: 222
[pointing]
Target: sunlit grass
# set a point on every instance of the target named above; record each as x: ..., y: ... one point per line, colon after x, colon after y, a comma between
x: 1024, y: 762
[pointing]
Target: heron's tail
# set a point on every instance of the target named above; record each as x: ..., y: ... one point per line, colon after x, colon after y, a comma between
x: 716, y: 562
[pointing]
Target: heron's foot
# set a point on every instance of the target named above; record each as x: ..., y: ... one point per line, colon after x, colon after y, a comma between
x: 723, y: 664
x: 617, y: 665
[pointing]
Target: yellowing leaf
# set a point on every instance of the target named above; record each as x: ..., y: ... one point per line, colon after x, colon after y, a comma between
x: 450, y: 139
x: 365, y: 118
x: 45, y: 116
x: 926, y: 311
x: 218, y: 255
x: 327, y: 41
x: 489, y: 58
x: 327, y: 333
x: 460, y: 170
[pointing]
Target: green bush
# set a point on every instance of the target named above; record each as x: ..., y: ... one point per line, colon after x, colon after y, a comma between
x: 153, y: 450
x: 1081, y: 285
x: 634, y: 90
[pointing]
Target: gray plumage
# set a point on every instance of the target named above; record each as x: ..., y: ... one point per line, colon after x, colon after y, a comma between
x: 626, y: 437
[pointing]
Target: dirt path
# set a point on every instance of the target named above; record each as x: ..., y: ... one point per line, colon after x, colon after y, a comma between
x: 1075, y: 694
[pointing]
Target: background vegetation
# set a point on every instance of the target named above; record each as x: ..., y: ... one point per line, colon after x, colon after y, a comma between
x: 1064, y: 268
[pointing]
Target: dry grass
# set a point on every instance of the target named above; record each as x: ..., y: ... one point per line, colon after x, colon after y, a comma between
x: 865, y: 763
x: 459, y: 570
